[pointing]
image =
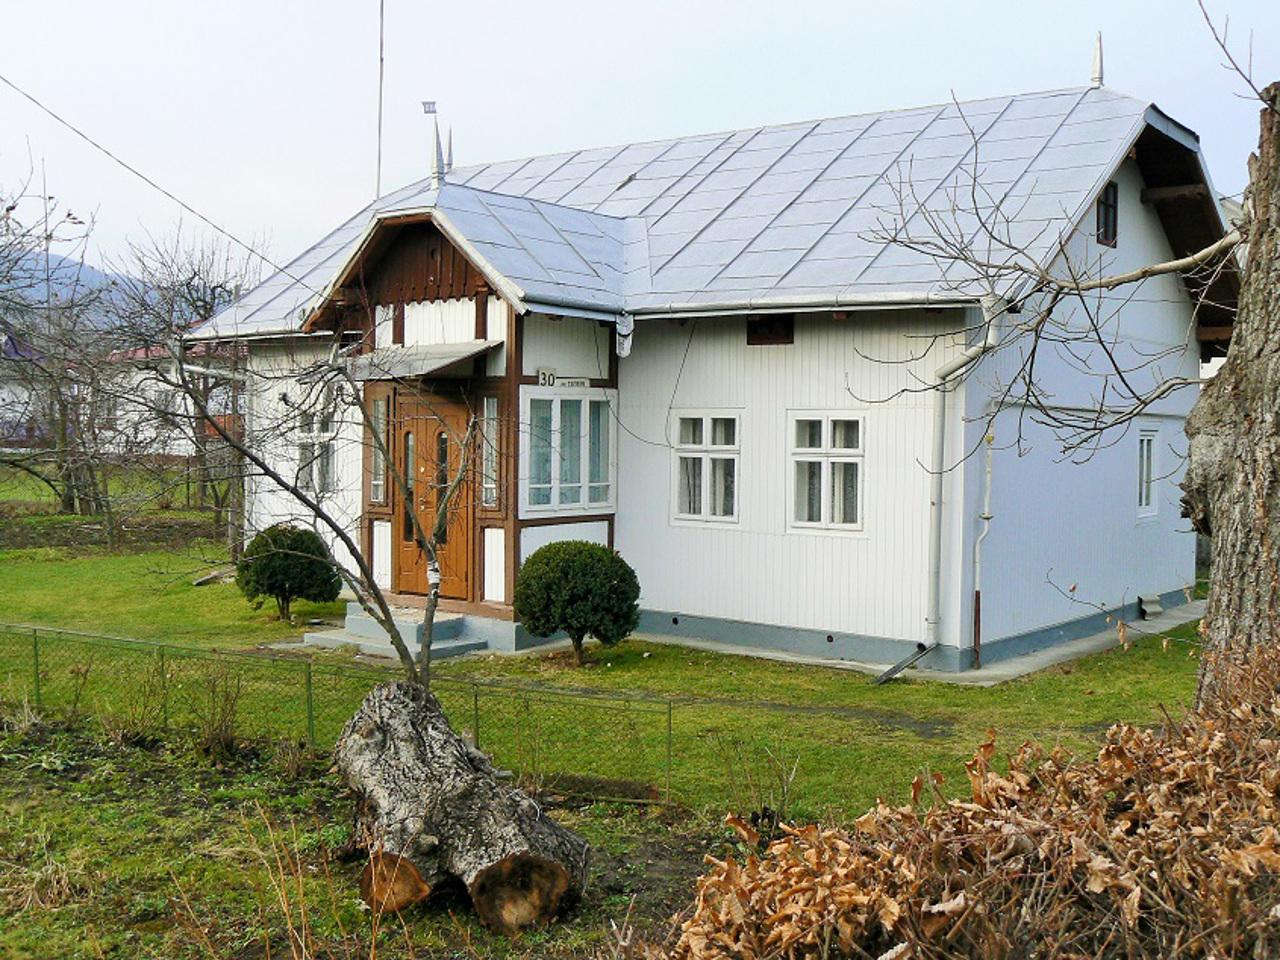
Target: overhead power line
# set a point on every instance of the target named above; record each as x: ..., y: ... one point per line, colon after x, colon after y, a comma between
x: 147, y: 180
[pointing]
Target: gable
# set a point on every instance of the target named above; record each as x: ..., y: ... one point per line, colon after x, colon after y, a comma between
x: 417, y: 262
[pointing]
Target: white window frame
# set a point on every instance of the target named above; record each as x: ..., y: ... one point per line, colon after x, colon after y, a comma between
x: 826, y: 455
x: 1148, y: 488
x: 489, y: 452
x: 378, y: 413
x: 323, y: 446
x: 706, y: 452
x: 558, y: 394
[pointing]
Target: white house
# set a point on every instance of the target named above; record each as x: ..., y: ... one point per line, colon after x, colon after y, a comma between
x: 705, y: 353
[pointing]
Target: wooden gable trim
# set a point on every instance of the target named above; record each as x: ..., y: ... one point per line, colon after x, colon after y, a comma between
x: 404, y: 260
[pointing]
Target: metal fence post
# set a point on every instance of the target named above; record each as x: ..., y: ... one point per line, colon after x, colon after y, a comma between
x: 35, y: 659
x: 311, y: 713
x: 475, y: 713
x: 164, y: 692
x: 670, y: 709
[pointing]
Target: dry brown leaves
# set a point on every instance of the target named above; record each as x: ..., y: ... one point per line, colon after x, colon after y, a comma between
x: 1167, y: 844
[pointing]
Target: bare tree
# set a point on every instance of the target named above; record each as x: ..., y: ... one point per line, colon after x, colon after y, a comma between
x: 168, y: 287
x: 60, y: 423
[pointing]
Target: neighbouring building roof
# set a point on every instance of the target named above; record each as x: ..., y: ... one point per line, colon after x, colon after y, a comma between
x: 781, y: 217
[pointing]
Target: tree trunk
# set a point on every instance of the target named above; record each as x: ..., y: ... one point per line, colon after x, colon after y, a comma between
x: 578, y: 653
x: 1232, y: 486
x: 285, y: 606
x: 429, y: 807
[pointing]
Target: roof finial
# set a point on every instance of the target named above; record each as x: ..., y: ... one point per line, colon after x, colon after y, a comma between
x: 438, y: 167
x: 1097, y: 62
x: 448, y: 157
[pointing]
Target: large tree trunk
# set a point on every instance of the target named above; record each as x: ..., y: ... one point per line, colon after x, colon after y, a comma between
x: 1232, y: 486
x: 430, y: 807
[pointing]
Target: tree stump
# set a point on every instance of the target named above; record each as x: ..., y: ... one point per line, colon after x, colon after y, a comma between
x: 429, y: 806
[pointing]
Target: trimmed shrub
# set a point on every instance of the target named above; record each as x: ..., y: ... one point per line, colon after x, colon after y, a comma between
x: 288, y: 563
x: 581, y: 588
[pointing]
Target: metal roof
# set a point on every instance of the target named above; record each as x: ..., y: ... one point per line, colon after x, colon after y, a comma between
x: 771, y: 218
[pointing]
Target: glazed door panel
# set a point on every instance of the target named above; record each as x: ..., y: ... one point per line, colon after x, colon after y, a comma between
x: 428, y: 450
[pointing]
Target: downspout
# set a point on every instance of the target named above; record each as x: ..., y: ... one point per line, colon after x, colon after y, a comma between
x: 985, y: 517
x: 992, y: 308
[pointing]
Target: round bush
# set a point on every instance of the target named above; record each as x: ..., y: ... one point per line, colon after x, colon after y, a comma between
x: 581, y: 588
x: 288, y: 563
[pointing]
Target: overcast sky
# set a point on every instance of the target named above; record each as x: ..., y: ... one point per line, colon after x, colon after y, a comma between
x: 262, y: 115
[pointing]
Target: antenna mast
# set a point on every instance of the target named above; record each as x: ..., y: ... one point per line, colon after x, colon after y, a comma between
x: 382, y: 10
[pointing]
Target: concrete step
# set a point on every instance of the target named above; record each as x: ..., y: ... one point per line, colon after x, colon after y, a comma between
x: 408, y: 621
x: 1149, y: 607
x: 440, y: 649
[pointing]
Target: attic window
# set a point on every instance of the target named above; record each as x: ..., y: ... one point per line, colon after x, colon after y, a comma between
x: 771, y: 329
x: 1109, y: 215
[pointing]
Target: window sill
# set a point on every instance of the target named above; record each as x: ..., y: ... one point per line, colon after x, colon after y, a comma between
x: 701, y: 523
x: 852, y: 533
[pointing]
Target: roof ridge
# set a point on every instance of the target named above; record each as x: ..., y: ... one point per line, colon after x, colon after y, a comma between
x: 473, y: 169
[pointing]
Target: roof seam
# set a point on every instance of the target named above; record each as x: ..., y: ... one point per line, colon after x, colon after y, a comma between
x: 854, y: 202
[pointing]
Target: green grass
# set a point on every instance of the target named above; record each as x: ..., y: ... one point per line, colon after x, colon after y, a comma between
x: 739, y: 721
x: 145, y: 488
x: 739, y: 725
x: 134, y: 849
x: 147, y: 595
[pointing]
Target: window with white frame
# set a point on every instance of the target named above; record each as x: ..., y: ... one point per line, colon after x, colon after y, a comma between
x: 489, y: 453
x: 378, y: 460
x: 1146, y: 472
x: 706, y: 466
x: 317, y: 436
x: 827, y: 471
x: 568, y: 447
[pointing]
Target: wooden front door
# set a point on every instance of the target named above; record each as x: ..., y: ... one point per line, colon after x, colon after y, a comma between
x: 428, y: 438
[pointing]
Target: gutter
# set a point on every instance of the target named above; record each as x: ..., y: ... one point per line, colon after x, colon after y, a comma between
x: 992, y: 309
x: 868, y: 301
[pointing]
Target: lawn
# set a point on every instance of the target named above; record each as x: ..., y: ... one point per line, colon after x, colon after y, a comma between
x: 147, y: 595
x: 744, y: 732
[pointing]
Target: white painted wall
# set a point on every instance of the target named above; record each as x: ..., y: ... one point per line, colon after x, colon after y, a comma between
x: 571, y: 346
x: 870, y: 582
x: 430, y: 322
x: 382, y: 554
x: 439, y: 321
x: 494, y: 585
x: 1056, y: 522
x: 533, y: 538
x: 271, y: 424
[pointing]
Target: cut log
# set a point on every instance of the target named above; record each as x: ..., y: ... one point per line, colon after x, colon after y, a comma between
x: 428, y: 802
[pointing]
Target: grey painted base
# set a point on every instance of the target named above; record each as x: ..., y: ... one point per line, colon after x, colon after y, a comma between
x: 1054, y: 634
x: 865, y: 649
x: 806, y: 643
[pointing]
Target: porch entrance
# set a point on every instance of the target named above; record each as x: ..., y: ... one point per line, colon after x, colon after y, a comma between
x: 428, y: 437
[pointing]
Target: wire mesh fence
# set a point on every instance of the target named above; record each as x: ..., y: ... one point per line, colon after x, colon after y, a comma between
x: 608, y: 746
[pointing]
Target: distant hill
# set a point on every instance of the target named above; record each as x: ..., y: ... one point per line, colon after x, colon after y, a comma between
x: 64, y: 280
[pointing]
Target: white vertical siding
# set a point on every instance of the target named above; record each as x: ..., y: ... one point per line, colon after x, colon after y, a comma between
x: 533, y: 538
x: 871, y: 582
x: 275, y: 395
x: 428, y: 322
x: 571, y: 346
